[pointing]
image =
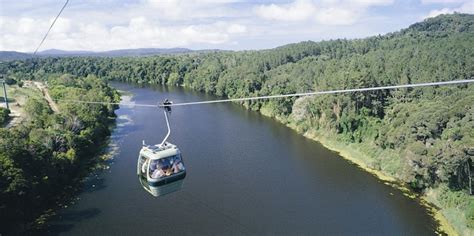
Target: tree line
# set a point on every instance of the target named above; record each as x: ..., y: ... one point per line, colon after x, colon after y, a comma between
x: 43, y: 157
x: 422, y: 136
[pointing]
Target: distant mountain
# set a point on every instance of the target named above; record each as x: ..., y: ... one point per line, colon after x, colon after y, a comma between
x: 12, y: 55
x: 145, y: 51
x: 116, y: 53
x: 57, y: 52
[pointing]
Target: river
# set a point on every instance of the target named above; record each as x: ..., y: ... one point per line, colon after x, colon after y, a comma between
x: 246, y: 174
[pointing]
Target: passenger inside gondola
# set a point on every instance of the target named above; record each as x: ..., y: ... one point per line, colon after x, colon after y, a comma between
x: 166, y: 167
x: 177, y: 165
x: 157, y: 173
x: 155, y: 170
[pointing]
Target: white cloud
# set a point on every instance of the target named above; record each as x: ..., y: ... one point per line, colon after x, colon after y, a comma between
x: 236, y: 29
x: 467, y: 7
x: 62, y: 25
x: 337, y: 16
x: 145, y: 23
x: 227, y: 24
x: 199, y: 34
x: 434, y: 13
x: 372, y: 2
x: 442, y: 1
x: 139, y: 32
x: 327, y: 12
x: 188, y: 9
x: 296, y: 11
x: 26, y: 25
x: 168, y: 8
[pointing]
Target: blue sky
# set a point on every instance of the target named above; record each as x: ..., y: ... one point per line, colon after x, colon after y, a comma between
x: 99, y: 25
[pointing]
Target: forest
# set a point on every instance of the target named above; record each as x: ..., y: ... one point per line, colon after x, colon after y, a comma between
x: 42, y: 158
x: 424, y: 137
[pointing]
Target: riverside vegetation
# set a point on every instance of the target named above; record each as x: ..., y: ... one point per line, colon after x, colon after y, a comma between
x: 43, y: 157
x: 4, y: 115
x: 423, y: 137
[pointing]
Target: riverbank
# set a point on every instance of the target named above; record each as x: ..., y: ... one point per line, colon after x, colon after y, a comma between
x: 90, y: 169
x: 62, y: 147
x: 363, y: 160
x: 353, y: 156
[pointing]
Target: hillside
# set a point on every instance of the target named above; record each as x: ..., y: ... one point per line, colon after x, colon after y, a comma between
x: 423, y: 137
x: 12, y: 55
x: 115, y: 53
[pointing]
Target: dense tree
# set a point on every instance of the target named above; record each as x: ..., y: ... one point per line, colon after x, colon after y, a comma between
x: 430, y: 128
x: 43, y: 155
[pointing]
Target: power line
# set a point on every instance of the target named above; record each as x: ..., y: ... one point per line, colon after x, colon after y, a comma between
x: 107, y: 103
x: 50, y: 27
x: 328, y: 92
x: 454, y: 82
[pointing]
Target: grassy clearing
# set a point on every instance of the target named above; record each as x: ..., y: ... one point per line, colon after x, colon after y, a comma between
x: 17, y: 97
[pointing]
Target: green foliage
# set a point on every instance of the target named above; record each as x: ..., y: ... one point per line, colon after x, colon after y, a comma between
x: 10, y: 81
x: 4, y: 115
x: 45, y: 154
x: 470, y: 214
x: 431, y: 128
x: 457, y: 199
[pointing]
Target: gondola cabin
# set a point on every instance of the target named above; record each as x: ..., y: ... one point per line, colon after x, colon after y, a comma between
x: 161, y: 169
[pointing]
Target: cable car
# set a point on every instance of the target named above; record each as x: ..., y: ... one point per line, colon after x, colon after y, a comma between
x: 160, y: 167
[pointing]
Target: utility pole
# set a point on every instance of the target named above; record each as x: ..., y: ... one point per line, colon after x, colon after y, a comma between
x: 470, y: 176
x: 2, y: 80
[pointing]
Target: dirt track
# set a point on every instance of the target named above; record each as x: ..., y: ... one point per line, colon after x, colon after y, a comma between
x: 48, y: 98
x: 17, y: 113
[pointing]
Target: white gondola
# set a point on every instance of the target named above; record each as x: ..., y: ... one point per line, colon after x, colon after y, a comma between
x: 160, y: 167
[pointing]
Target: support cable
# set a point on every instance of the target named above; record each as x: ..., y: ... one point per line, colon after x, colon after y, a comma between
x: 105, y: 103
x: 327, y: 92
x: 441, y: 83
x: 50, y: 27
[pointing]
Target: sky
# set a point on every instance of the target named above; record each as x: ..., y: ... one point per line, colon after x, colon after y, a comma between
x: 100, y: 25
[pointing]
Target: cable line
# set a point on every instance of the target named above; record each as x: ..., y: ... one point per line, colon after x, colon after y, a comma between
x: 106, y: 103
x: 254, y: 98
x: 328, y: 92
x: 50, y: 27
x: 282, y: 95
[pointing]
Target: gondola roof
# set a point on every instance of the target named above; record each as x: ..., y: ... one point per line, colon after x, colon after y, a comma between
x: 159, y: 151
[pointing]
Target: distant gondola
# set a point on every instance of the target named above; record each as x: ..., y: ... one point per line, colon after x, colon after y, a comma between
x: 160, y: 167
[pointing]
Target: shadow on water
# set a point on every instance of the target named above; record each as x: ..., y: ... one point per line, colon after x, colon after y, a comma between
x: 80, y: 215
x: 68, y: 218
x: 72, y: 216
x: 94, y: 185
